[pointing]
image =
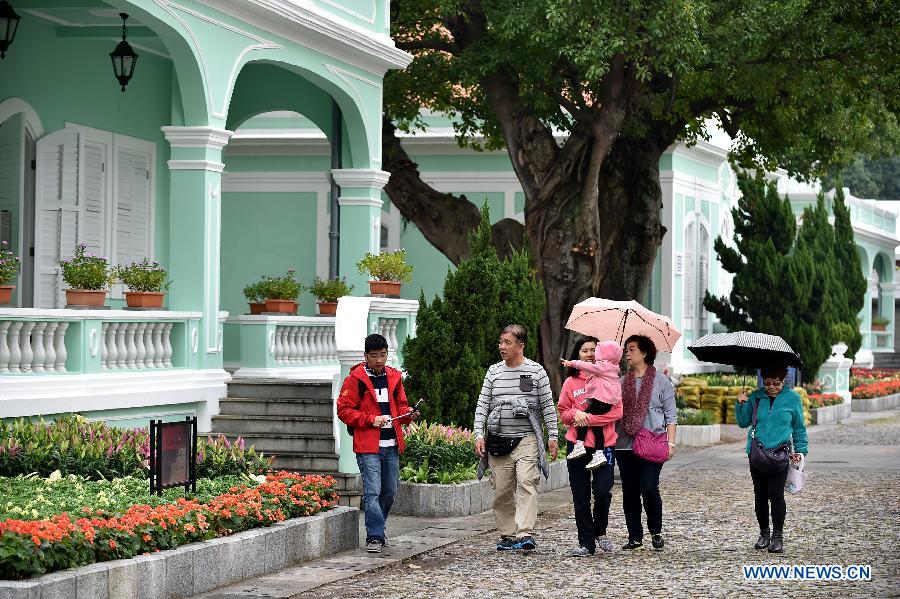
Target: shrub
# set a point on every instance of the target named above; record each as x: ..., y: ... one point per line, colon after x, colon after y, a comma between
x: 821, y: 400
x: 329, y: 290
x: 144, y: 276
x: 693, y: 416
x: 9, y: 264
x: 254, y: 293
x: 74, y: 445
x: 87, y: 271
x: 386, y: 266
x: 438, y: 454
x: 881, y: 321
x: 456, y: 336
x: 284, y: 287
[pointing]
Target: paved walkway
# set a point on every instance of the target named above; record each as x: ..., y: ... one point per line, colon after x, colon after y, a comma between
x: 848, y: 514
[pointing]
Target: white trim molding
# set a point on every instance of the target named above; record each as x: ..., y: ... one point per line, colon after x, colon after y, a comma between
x: 361, y: 177
x: 274, y: 182
x: 197, y: 137
x: 196, y: 165
x: 360, y: 202
x: 12, y: 106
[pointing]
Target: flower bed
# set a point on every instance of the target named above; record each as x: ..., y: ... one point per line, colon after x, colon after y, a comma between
x: 436, y: 453
x: 74, y: 445
x: 821, y: 400
x: 876, y: 389
x: 33, y: 547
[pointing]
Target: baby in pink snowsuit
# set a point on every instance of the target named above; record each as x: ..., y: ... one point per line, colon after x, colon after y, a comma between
x: 602, y: 392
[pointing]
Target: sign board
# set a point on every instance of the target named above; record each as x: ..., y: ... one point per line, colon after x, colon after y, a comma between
x: 173, y: 455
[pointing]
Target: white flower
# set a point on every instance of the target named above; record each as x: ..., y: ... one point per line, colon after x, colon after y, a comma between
x: 54, y: 476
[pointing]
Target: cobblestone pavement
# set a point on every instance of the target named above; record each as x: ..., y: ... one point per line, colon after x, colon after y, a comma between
x: 842, y: 517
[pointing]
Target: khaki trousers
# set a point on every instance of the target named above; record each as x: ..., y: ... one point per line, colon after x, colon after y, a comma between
x: 515, y: 479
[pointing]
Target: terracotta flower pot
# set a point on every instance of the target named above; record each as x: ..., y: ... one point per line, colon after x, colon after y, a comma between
x: 144, y: 299
x: 6, y: 294
x: 384, y: 287
x: 879, y: 327
x: 281, y: 306
x: 86, y: 297
x: 329, y: 308
x: 257, y: 307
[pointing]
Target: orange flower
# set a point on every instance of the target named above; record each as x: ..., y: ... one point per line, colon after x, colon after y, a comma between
x: 146, y: 538
x: 112, y: 544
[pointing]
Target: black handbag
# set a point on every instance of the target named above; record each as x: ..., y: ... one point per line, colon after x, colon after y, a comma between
x: 500, y: 446
x: 767, y: 461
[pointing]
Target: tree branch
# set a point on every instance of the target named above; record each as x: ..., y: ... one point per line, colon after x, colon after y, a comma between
x: 429, y: 44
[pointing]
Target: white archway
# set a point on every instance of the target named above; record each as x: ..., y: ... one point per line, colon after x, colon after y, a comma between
x: 12, y: 106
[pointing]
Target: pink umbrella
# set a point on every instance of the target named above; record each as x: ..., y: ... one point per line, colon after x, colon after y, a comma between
x: 613, y: 320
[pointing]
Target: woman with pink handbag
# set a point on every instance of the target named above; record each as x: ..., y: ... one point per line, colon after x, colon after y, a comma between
x: 646, y: 440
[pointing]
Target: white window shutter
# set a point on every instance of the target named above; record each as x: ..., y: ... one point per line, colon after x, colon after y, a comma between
x: 56, y: 212
x: 132, y: 205
x: 690, y: 277
x: 93, y: 221
x: 703, y: 266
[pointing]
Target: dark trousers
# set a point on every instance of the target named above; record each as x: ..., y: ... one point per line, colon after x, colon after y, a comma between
x: 640, y: 480
x: 581, y: 432
x: 584, y: 483
x: 769, y: 488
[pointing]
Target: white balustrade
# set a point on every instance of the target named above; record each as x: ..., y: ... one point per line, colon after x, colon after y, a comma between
x: 32, y: 347
x: 304, y: 344
x: 136, y: 345
x: 387, y: 327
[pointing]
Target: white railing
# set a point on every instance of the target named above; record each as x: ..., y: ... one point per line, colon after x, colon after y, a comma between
x: 304, y: 344
x: 136, y: 345
x: 32, y: 346
x: 387, y: 327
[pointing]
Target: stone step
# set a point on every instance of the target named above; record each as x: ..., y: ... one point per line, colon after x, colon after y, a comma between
x: 279, y: 388
x: 257, y: 406
x: 306, y: 462
x: 296, y: 425
x: 272, y: 443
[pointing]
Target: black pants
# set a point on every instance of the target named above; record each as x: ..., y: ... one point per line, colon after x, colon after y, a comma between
x: 581, y: 433
x: 584, y: 483
x: 640, y: 480
x: 769, y: 488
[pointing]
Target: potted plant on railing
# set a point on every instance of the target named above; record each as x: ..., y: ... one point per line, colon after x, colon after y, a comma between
x: 147, y: 283
x: 255, y: 298
x: 88, y: 277
x: 879, y: 323
x: 327, y: 292
x: 389, y: 271
x: 9, y: 268
x: 281, y: 293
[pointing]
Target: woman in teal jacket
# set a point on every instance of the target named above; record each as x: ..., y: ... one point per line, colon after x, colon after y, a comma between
x: 779, y: 419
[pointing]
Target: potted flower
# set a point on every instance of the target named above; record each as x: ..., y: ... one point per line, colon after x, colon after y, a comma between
x: 879, y: 323
x: 327, y: 292
x: 281, y: 293
x: 9, y: 268
x: 88, y: 277
x: 146, y: 282
x: 255, y: 299
x: 389, y: 271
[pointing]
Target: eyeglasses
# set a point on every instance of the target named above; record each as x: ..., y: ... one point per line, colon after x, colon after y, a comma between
x: 772, y: 383
x: 377, y: 356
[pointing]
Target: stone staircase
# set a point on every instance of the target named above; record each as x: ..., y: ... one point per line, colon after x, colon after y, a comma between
x: 292, y: 420
x: 891, y: 360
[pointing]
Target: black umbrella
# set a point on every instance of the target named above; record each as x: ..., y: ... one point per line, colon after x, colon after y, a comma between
x: 745, y: 350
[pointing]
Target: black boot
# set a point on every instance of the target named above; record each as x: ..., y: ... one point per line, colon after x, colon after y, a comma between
x: 777, y: 544
x: 764, y: 539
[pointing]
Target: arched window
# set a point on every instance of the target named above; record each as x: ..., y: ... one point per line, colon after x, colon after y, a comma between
x: 696, y: 275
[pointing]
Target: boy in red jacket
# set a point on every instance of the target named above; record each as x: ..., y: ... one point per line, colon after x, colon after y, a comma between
x: 373, y: 405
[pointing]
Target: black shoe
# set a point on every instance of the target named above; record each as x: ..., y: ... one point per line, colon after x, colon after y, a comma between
x: 764, y: 539
x: 505, y: 544
x: 777, y: 544
x: 525, y: 544
x: 658, y: 541
x: 633, y: 545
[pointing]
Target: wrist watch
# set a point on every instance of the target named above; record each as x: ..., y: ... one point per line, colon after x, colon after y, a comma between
x: 671, y: 444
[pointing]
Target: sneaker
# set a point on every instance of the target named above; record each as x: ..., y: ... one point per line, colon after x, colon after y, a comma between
x: 658, y: 541
x: 597, y: 461
x: 604, y: 544
x: 580, y: 552
x: 505, y: 544
x: 633, y: 545
x: 525, y: 544
x: 374, y: 546
x: 577, y: 451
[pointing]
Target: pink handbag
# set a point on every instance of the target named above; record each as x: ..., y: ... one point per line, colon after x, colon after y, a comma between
x: 653, y: 447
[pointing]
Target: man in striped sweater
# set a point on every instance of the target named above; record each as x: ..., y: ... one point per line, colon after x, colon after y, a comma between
x: 515, y: 397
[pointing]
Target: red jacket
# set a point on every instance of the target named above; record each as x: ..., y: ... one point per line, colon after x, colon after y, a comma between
x: 360, y: 412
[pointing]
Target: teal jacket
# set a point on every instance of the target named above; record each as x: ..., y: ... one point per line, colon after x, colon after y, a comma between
x: 775, y: 426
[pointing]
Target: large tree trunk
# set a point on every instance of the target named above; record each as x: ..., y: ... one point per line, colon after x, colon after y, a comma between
x: 630, y: 231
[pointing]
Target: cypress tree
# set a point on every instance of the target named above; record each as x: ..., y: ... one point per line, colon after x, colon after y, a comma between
x: 853, y: 281
x: 456, y: 336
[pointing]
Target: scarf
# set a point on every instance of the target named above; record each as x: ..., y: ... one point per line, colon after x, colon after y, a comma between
x: 635, y: 404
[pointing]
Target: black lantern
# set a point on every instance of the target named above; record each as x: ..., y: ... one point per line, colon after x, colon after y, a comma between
x: 124, y: 58
x: 9, y: 22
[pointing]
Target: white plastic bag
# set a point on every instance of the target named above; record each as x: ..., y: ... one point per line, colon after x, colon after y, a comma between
x: 796, y: 476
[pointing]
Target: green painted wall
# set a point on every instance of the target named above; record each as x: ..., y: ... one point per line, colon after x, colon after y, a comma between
x: 265, y: 234
x: 71, y: 80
